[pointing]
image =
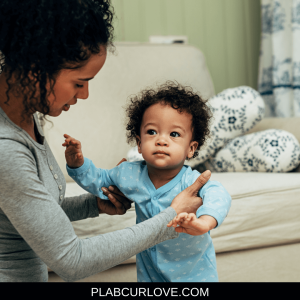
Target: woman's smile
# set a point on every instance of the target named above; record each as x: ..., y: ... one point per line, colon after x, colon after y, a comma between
x: 66, y: 107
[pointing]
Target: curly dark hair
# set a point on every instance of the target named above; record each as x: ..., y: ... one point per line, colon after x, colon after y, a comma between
x: 38, y: 38
x: 178, y: 97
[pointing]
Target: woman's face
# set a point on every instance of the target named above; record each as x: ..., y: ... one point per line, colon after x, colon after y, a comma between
x: 74, y: 84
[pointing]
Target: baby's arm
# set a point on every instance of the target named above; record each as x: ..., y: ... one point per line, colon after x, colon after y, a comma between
x: 73, y: 153
x: 83, y: 171
x: 190, y: 224
x: 216, y: 200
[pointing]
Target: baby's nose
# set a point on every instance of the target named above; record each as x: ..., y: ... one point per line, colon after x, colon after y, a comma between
x: 161, y: 142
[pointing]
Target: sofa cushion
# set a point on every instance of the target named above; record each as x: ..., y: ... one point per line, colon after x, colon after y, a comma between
x: 272, y: 150
x: 264, y: 212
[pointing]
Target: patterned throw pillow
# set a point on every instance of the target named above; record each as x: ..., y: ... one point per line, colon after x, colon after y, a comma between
x: 271, y: 150
x: 235, y: 111
x: 134, y: 155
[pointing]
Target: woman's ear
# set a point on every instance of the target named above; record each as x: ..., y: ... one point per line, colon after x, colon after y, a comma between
x: 138, y: 142
x: 192, y: 149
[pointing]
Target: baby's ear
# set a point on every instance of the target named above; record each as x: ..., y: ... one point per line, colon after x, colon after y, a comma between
x: 138, y: 142
x: 192, y: 149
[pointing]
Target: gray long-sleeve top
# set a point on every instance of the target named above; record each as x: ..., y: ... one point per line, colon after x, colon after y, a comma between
x: 35, y: 227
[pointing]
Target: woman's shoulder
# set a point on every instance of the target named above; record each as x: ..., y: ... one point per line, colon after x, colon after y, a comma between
x: 10, y: 131
x: 12, y: 141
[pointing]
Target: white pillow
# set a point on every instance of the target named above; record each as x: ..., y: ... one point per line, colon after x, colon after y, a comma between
x: 134, y: 155
x: 235, y: 111
x: 271, y: 150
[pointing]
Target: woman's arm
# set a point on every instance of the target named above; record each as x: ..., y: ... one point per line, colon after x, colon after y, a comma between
x: 80, y: 207
x: 46, y: 228
x: 89, y: 206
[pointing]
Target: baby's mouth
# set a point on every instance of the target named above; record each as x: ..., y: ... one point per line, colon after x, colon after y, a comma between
x: 161, y: 153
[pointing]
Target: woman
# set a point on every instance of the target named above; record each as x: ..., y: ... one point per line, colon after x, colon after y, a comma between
x: 50, y: 50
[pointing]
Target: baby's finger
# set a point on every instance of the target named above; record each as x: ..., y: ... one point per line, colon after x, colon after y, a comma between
x: 66, y: 143
x: 193, y: 217
x: 75, y: 142
x: 181, y: 216
x: 188, y: 218
x: 79, y: 156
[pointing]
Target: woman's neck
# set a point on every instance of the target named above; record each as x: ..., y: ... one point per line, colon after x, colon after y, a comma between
x: 14, y: 109
x: 160, y: 177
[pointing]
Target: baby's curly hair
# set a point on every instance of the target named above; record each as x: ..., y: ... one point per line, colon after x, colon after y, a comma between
x: 38, y: 38
x: 178, y: 97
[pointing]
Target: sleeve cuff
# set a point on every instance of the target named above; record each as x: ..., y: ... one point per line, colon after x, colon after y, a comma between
x: 77, y: 171
x: 210, y: 212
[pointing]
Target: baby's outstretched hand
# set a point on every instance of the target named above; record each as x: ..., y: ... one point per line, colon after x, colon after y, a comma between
x: 190, y: 224
x: 73, y: 153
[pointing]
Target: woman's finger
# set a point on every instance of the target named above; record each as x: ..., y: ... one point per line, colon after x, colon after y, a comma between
x: 180, y: 229
x: 115, y: 202
x: 118, y: 197
x: 200, y: 182
x: 170, y: 223
x: 123, y: 159
x: 113, y: 189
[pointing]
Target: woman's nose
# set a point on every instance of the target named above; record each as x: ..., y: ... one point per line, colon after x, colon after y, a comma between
x: 83, y: 93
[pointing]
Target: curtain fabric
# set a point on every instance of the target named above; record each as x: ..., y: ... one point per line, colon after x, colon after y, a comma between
x: 279, y: 65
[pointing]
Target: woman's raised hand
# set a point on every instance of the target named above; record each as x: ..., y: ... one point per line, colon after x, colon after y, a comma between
x: 188, y: 200
x: 73, y: 153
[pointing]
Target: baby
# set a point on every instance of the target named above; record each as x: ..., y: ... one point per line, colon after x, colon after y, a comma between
x: 169, y: 124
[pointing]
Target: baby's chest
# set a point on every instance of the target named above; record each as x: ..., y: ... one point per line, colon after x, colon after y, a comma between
x: 150, y: 203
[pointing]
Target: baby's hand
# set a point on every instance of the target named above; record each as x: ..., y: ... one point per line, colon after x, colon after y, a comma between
x: 73, y: 152
x: 190, y: 224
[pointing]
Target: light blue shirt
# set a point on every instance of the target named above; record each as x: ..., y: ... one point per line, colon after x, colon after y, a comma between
x: 184, y: 259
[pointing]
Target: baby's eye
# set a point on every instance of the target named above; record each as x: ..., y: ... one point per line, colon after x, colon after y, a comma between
x: 151, y: 132
x: 175, y: 134
x: 79, y: 85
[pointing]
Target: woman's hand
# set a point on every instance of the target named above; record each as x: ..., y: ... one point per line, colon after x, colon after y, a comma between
x: 188, y: 200
x: 118, y: 204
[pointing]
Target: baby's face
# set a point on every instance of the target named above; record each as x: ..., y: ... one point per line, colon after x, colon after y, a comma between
x: 166, y: 137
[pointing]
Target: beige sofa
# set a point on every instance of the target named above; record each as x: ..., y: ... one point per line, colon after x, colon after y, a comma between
x: 260, y: 238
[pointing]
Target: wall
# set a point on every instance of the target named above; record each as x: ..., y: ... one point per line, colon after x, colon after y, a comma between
x: 226, y: 31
